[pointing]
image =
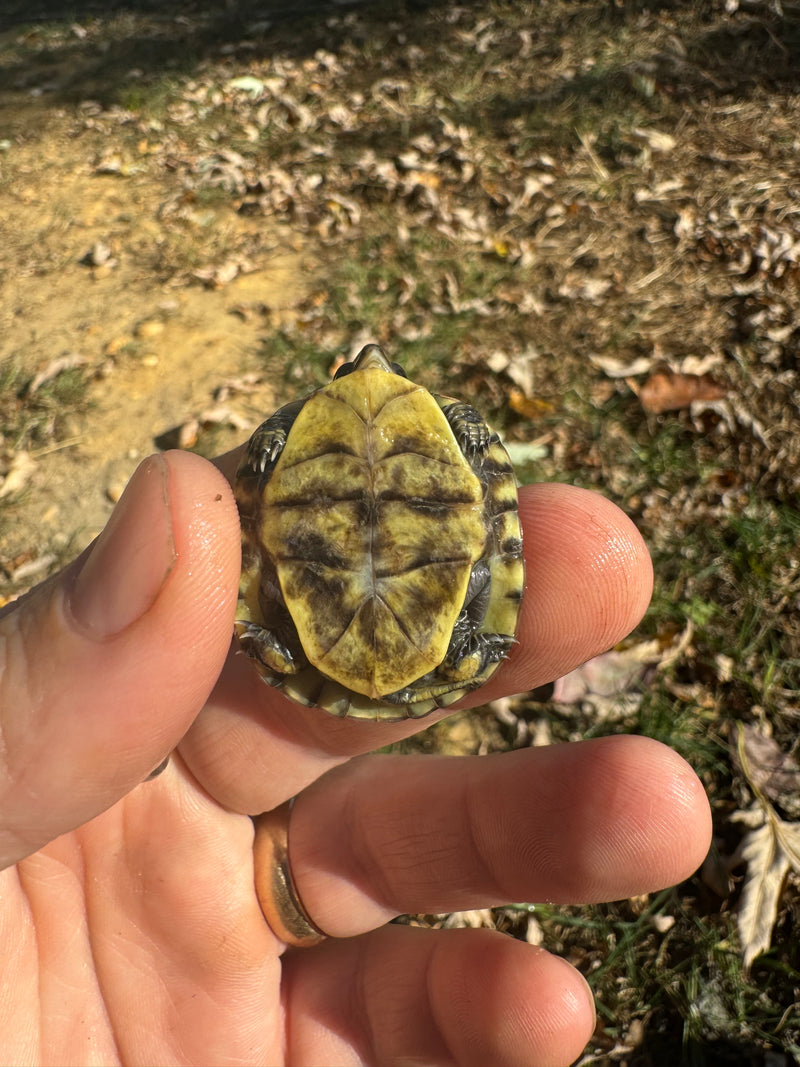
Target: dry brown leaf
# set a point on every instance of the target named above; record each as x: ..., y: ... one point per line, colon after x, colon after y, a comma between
x: 222, y: 416
x: 114, y: 165
x: 770, y: 852
x: 715, y: 873
x: 589, y: 289
x: 613, y: 367
x: 220, y: 276
x: 612, y: 682
x: 33, y: 568
x: 248, y: 84
x: 655, y: 140
x: 520, y: 369
x: 610, y: 675
x: 244, y: 383
x: 771, y: 848
x: 671, y: 391
x: 530, y: 407
x: 769, y: 769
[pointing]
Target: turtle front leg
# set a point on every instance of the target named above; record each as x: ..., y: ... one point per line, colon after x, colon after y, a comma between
x: 268, y: 442
x: 472, y: 433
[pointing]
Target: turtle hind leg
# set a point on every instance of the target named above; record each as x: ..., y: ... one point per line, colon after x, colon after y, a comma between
x: 471, y: 649
x: 470, y: 655
x: 266, y: 630
x: 471, y: 659
x: 464, y: 669
x: 270, y: 651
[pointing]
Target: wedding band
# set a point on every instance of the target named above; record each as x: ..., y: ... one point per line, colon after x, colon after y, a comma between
x: 275, y: 888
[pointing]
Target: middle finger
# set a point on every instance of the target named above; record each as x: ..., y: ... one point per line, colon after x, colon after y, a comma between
x: 588, y: 582
x: 573, y: 823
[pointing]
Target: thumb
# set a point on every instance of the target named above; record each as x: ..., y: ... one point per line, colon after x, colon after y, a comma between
x: 104, y: 666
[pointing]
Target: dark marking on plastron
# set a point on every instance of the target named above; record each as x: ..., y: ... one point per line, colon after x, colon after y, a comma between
x: 324, y: 585
x: 398, y: 572
x: 366, y: 510
x: 305, y: 544
x: 394, y: 493
x: 426, y: 507
x: 320, y: 500
x: 324, y: 448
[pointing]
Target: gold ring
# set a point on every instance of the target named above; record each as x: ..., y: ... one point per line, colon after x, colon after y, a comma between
x: 275, y: 888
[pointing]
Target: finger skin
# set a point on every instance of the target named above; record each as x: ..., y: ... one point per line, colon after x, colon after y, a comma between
x: 86, y: 714
x: 408, y: 996
x: 594, y: 821
x: 588, y: 583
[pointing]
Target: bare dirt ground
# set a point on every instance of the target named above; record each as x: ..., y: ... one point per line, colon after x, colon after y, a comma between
x: 152, y: 354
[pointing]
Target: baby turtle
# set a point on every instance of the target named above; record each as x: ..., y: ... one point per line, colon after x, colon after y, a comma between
x: 382, y: 562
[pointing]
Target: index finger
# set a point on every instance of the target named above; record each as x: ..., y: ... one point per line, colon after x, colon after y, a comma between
x: 588, y: 583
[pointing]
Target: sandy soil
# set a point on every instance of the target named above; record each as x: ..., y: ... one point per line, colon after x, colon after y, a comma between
x: 154, y: 352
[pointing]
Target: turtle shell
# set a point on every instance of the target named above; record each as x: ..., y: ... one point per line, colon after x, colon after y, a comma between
x: 382, y: 557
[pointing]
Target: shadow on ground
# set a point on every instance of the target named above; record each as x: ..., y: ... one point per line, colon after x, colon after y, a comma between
x: 671, y: 1053
x: 103, y: 48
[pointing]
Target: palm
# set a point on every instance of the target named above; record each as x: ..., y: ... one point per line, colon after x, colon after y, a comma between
x: 147, y: 943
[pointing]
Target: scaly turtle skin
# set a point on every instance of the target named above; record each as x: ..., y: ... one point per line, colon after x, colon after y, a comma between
x: 381, y: 547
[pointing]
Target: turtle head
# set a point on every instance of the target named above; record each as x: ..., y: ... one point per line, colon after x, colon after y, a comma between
x: 370, y: 356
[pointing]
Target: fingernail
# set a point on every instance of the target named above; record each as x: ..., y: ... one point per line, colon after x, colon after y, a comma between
x: 132, y: 557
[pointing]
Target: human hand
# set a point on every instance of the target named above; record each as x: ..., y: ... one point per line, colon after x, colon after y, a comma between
x: 128, y: 913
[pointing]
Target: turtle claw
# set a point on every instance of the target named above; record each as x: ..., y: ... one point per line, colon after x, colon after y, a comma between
x: 269, y: 440
x: 482, y: 649
x: 268, y: 651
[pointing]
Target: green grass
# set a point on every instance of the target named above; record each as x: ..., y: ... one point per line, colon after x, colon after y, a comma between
x: 48, y: 415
